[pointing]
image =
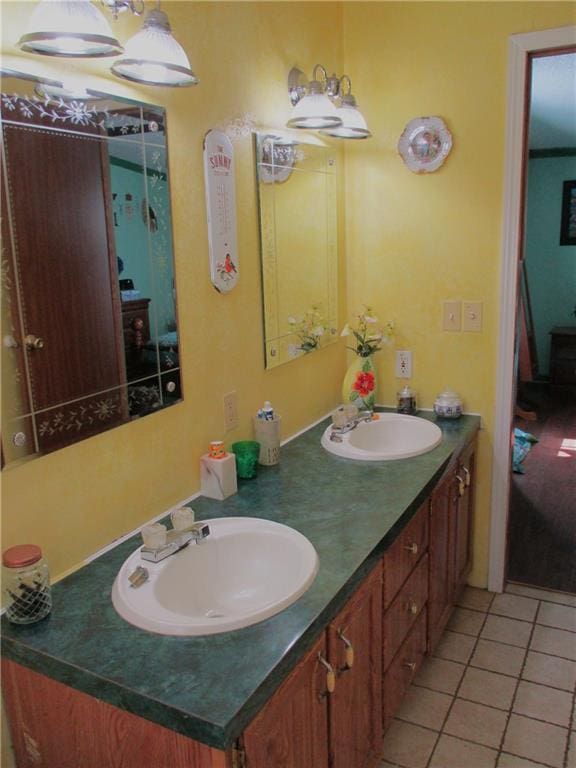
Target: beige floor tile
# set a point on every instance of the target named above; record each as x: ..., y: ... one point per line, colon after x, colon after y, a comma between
x: 424, y: 707
x: 440, y: 675
x: 537, y: 741
x: 543, y: 703
x: 488, y: 688
x: 498, y: 657
x: 542, y: 594
x: 559, y: 616
x: 504, y: 630
x: 511, y: 761
x: 455, y: 753
x: 475, y: 722
x: 466, y: 621
x: 550, y: 670
x: 557, y: 642
x: 515, y: 607
x: 455, y: 647
x: 571, y: 761
x: 476, y: 599
x: 409, y: 745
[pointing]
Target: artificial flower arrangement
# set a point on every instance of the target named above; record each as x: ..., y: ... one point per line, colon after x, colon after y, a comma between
x: 359, y: 385
x: 368, y: 333
x: 310, y: 330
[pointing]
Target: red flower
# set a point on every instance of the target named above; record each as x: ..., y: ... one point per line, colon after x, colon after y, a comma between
x: 364, y: 383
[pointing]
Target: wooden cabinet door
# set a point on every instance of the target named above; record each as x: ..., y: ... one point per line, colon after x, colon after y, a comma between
x: 464, y: 517
x: 292, y: 729
x: 355, y: 652
x: 441, y: 589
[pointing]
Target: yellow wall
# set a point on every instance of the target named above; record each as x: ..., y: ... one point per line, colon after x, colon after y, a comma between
x: 413, y: 241
x: 74, y: 501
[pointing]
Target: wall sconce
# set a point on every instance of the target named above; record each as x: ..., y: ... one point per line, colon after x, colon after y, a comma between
x: 78, y: 29
x: 324, y: 106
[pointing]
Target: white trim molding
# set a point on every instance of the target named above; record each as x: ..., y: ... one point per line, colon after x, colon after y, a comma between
x: 519, y: 48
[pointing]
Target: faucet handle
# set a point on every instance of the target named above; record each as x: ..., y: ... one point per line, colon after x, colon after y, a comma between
x: 154, y: 535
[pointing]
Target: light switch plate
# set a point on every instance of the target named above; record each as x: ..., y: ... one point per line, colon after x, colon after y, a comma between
x: 451, y: 315
x: 472, y: 316
x: 230, y: 411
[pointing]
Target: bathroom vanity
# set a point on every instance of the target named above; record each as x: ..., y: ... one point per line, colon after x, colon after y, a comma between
x: 314, y: 686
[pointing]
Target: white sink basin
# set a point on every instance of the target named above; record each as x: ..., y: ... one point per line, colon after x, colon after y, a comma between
x: 246, y: 570
x: 391, y: 436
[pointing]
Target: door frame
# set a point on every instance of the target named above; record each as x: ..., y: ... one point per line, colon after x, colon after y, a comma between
x: 519, y: 48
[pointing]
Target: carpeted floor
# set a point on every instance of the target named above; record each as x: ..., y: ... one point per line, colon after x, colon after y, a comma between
x: 542, y: 521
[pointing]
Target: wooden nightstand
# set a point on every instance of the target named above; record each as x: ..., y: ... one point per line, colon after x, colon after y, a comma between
x: 563, y: 355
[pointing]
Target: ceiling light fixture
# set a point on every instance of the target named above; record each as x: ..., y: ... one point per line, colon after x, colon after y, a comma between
x: 76, y: 28
x: 323, y: 105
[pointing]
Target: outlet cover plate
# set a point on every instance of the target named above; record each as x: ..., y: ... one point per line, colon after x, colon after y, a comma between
x: 230, y: 411
x: 403, y: 364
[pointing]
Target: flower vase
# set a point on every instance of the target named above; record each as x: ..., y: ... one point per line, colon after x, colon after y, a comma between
x: 359, y: 386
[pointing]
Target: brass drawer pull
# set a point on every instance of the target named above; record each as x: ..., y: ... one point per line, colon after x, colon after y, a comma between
x: 411, y: 665
x: 330, y: 675
x: 467, y: 476
x: 412, y: 607
x: 33, y: 342
x: 461, y: 485
x: 349, y: 658
x: 412, y: 548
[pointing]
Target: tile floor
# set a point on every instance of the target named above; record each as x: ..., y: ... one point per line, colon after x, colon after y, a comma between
x: 500, y: 690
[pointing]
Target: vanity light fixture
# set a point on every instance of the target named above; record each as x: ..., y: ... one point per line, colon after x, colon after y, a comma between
x: 324, y: 106
x: 153, y: 56
x: 77, y: 28
x: 73, y: 28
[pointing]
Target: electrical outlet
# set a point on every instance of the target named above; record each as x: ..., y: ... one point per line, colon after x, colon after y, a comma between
x: 472, y: 316
x: 403, y: 364
x: 451, y: 315
x: 230, y: 411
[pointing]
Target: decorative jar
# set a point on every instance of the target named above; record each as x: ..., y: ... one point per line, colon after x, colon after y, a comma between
x: 26, y: 584
x: 448, y: 405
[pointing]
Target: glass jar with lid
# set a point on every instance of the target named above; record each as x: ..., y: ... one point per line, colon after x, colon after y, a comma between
x: 26, y: 584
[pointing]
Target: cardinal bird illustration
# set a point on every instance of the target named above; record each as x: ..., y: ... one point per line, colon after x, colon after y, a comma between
x: 229, y: 264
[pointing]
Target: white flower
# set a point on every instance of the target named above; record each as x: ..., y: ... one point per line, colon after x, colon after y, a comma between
x: 292, y: 320
x: 345, y: 331
x: 370, y: 319
x: 318, y: 331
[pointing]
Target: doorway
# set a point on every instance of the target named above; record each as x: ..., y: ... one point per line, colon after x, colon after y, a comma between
x: 521, y: 49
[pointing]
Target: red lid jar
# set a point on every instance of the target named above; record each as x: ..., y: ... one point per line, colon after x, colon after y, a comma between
x: 21, y: 555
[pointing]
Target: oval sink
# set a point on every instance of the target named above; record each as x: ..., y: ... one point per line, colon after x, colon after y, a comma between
x: 391, y: 436
x: 246, y: 570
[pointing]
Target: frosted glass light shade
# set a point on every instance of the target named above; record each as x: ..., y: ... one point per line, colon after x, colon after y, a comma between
x: 154, y: 57
x: 353, y: 123
x: 315, y: 111
x: 74, y: 28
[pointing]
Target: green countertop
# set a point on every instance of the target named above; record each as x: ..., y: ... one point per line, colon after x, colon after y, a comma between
x: 210, y: 688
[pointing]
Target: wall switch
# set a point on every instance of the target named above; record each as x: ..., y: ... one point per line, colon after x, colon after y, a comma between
x: 451, y: 315
x: 230, y: 411
x: 403, y: 364
x: 472, y: 316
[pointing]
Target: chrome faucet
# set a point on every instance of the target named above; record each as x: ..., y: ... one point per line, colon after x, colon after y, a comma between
x: 338, y: 431
x: 175, y: 541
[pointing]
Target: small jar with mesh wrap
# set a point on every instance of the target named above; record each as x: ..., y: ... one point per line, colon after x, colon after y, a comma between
x: 26, y: 584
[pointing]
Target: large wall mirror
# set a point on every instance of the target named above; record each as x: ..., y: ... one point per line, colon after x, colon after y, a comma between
x: 299, y: 244
x: 89, y: 330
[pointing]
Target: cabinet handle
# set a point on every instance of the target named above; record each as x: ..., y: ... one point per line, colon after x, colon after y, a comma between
x: 412, y: 548
x: 32, y: 342
x: 461, y: 485
x: 349, y: 657
x: 330, y: 675
x: 412, y: 607
x: 467, y: 476
x: 411, y: 665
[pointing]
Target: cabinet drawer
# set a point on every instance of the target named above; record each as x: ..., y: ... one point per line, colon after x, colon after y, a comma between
x: 403, y: 555
x: 401, y: 672
x: 404, y: 611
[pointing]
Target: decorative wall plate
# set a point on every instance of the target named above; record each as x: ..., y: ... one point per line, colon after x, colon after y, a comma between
x: 424, y: 144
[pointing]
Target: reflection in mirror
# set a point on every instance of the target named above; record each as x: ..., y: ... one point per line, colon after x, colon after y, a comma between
x: 89, y: 332
x: 298, y: 233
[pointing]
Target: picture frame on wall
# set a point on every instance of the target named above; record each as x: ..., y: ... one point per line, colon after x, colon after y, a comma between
x: 568, y: 220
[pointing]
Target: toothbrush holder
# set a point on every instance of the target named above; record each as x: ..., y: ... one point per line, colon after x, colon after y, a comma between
x: 267, y: 433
